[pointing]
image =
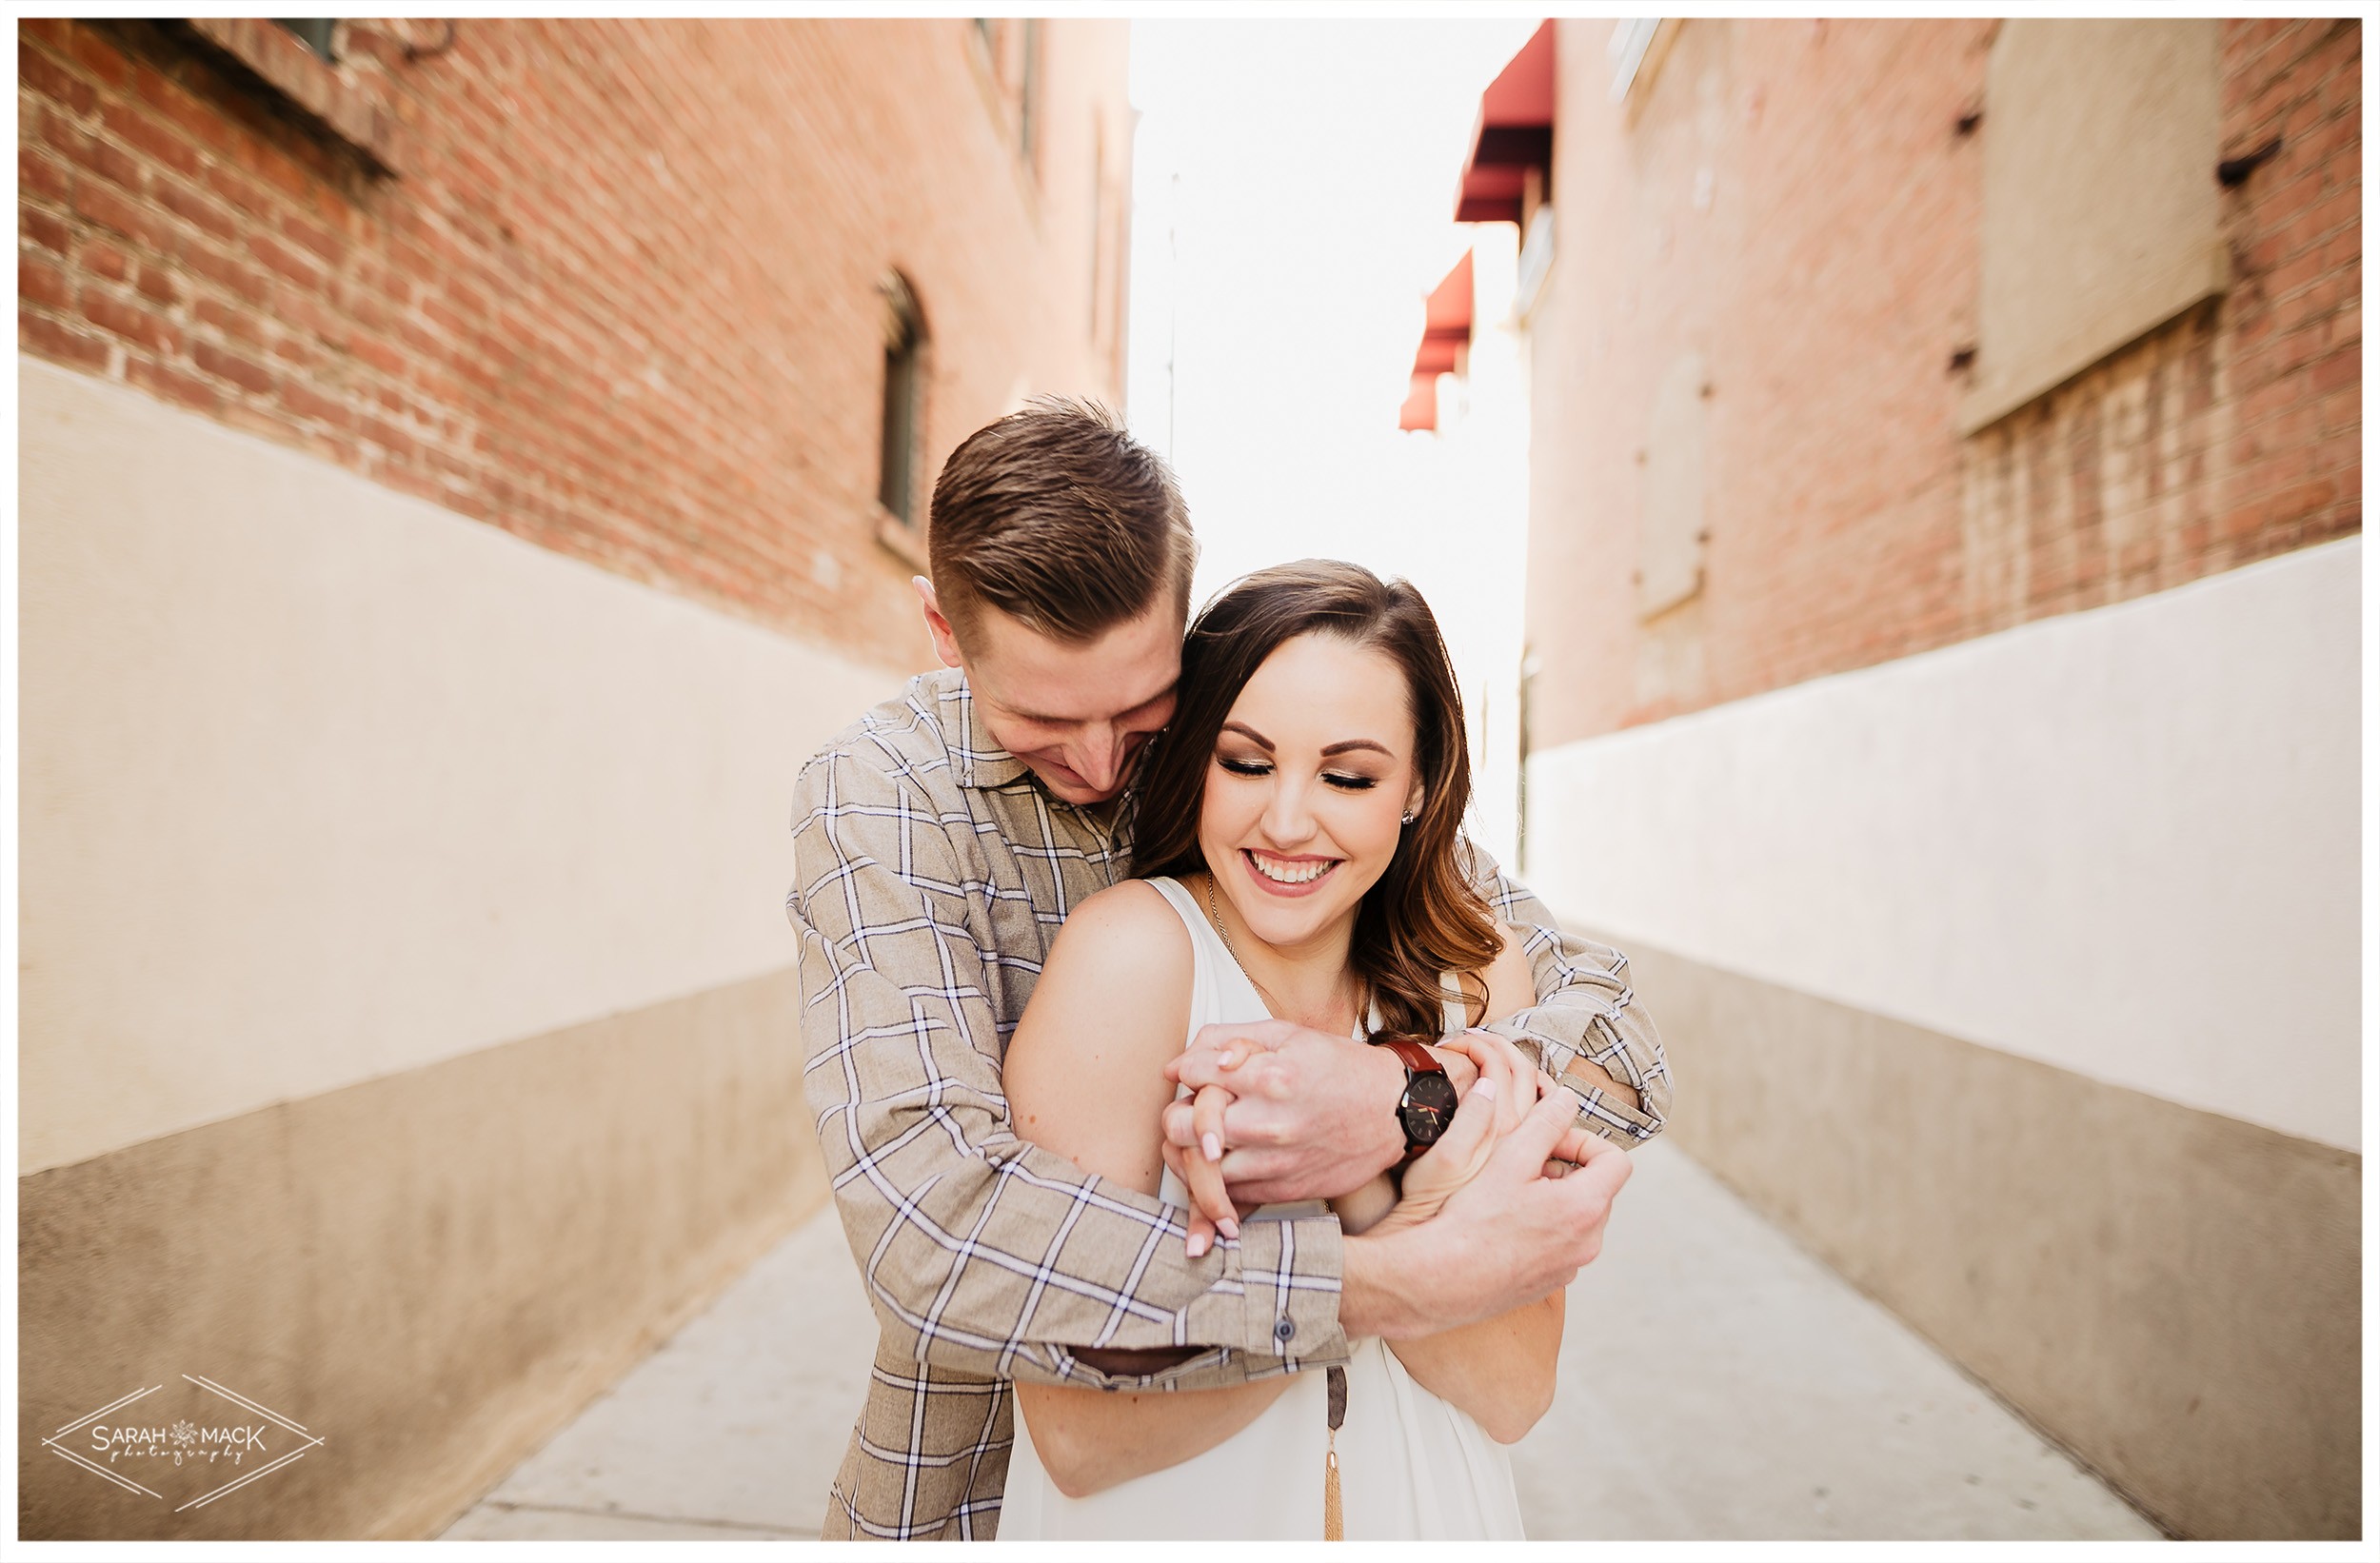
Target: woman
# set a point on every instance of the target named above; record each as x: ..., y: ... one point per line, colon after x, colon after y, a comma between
x: 1298, y: 857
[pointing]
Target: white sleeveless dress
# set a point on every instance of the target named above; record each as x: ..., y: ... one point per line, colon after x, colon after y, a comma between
x: 1411, y: 1466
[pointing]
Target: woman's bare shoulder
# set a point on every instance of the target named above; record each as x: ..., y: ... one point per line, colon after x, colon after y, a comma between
x: 1084, y: 1069
x: 1130, y: 931
x: 1131, y: 903
x: 1124, y: 956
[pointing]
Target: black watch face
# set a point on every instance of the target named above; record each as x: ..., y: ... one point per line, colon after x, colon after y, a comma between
x: 1429, y: 1103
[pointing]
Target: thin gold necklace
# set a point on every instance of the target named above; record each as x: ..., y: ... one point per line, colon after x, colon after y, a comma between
x: 1214, y: 912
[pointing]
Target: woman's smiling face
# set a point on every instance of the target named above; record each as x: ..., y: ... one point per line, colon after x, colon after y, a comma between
x: 1311, y: 774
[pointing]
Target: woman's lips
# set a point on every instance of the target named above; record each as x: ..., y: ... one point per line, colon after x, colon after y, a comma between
x: 1275, y: 888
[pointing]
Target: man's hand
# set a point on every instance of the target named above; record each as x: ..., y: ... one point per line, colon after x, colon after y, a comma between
x: 1282, y: 1112
x: 1508, y: 1236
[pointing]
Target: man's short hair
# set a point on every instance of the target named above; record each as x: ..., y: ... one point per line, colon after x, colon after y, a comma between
x: 1059, y: 519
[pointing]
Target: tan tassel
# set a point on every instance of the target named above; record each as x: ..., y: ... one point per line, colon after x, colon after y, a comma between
x: 1334, y: 1523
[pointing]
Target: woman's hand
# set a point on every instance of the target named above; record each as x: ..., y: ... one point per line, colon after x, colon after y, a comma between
x: 1281, y: 1112
x: 1508, y: 1087
x: 1211, y: 1210
x: 1454, y: 1162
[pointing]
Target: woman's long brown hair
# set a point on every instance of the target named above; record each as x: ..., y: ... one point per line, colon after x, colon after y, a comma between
x: 1424, y: 917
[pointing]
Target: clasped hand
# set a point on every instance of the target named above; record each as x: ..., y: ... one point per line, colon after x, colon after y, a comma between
x: 1300, y: 1125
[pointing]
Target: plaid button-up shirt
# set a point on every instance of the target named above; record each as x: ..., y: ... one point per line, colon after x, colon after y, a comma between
x: 931, y: 872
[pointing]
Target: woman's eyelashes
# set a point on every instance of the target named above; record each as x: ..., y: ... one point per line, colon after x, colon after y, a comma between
x: 1343, y: 780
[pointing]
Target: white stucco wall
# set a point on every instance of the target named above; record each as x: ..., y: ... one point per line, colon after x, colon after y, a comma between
x: 322, y: 782
x: 1474, y: 577
x: 2125, y: 842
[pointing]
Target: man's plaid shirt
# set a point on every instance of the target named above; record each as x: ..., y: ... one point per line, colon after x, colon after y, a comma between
x: 931, y: 872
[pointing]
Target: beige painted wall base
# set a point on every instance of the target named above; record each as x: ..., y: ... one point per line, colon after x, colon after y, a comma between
x: 2172, y: 1294
x: 431, y: 1271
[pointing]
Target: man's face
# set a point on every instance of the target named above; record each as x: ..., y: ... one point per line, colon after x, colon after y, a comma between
x: 1076, y: 715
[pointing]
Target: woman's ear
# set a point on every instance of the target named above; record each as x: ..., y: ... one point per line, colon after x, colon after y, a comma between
x: 1413, y: 803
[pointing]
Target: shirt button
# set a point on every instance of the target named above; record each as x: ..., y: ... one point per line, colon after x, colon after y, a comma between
x: 1285, y: 1328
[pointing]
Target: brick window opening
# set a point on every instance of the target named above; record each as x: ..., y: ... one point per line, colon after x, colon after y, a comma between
x: 1010, y: 52
x: 2101, y: 204
x: 315, y: 34
x: 906, y: 347
x: 298, y: 60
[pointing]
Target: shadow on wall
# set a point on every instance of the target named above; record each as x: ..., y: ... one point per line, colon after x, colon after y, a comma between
x: 2173, y: 1296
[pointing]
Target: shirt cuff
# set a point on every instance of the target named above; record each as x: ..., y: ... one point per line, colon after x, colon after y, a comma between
x: 1274, y: 1311
x: 1598, y: 1108
x: 1289, y: 1259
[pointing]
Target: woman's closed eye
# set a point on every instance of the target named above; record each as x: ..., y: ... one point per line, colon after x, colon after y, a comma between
x: 1343, y: 780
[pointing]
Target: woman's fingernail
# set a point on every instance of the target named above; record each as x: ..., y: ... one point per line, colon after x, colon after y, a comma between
x: 1485, y: 1087
x: 1198, y: 1244
x: 1213, y: 1143
x: 1228, y: 1227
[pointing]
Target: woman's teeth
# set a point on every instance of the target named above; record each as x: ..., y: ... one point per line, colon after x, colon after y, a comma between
x: 1283, y: 873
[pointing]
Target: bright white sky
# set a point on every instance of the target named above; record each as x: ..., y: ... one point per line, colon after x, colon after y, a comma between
x: 1307, y: 171
x: 1294, y: 191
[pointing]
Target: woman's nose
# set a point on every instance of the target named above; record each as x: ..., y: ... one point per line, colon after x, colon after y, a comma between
x: 1287, y: 820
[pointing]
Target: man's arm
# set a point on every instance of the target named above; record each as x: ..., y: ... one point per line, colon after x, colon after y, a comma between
x: 1586, y: 1029
x: 1298, y: 1121
x: 1508, y: 1236
x: 984, y: 1253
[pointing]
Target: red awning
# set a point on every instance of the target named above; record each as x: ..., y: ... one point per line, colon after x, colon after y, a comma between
x: 1445, y: 331
x: 1421, y: 409
x: 1513, y: 134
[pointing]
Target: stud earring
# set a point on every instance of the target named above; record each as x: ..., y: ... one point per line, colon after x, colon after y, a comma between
x: 1408, y: 819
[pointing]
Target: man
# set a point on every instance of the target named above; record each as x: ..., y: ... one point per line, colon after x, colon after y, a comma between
x: 939, y: 843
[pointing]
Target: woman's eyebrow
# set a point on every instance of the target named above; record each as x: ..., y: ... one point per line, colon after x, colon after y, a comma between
x: 1328, y: 749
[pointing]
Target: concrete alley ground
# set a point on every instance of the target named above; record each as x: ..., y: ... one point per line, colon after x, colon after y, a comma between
x: 1716, y: 1383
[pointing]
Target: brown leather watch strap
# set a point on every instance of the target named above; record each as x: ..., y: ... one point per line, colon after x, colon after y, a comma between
x: 1415, y: 1053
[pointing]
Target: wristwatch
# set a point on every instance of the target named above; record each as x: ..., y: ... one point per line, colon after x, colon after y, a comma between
x: 1428, y: 1103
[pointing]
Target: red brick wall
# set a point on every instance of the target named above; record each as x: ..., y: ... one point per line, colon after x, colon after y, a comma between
x: 621, y: 298
x: 2296, y: 319
x: 1828, y: 278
